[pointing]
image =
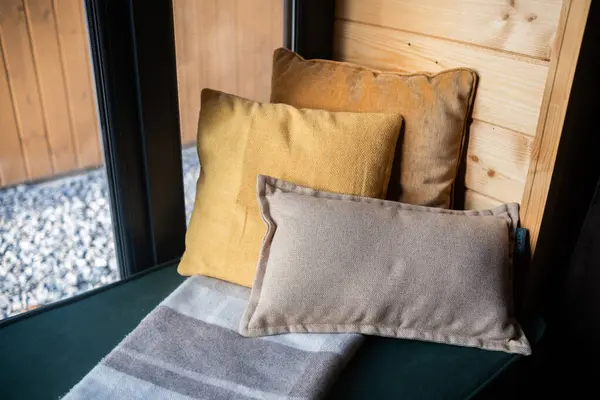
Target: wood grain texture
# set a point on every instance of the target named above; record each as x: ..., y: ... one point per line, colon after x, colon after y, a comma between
x: 12, y: 164
x: 23, y: 83
x: 492, y: 183
x: 55, y: 108
x: 478, y: 201
x: 48, y: 97
x: 75, y: 55
x: 497, y: 161
x: 522, y: 26
x: 554, y: 107
x: 510, y: 88
x: 225, y: 45
x: 265, y: 21
x: 188, y: 66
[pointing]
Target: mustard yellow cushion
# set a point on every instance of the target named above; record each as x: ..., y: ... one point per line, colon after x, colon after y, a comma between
x: 239, y: 139
x: 435, y: 110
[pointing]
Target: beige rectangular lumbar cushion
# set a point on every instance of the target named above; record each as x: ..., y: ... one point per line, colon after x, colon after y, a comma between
x: 339, y: 263
x: 435, y: 108
x: 238, y: 139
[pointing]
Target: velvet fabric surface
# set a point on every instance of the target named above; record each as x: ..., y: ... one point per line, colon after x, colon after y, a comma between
x: 435, y: 108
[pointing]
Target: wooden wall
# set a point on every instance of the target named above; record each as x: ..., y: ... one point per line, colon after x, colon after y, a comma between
x: 225, y: 45
x: 525, y: 52
x: 509, y: 43
x: 48, y: 121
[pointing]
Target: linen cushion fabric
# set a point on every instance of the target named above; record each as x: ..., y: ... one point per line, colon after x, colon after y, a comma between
x: 239, y: 139
x: 339, y: 263
x: 435, y: 108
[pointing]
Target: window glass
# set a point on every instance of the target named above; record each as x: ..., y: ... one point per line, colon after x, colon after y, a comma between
x: 56, y: 237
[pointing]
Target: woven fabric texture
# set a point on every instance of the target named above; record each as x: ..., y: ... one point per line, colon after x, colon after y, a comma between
x: 338, y: 263
x: 238, y: 139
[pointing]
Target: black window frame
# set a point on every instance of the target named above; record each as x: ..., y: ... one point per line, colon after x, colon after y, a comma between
x: 133, y: 57
x: 309, y: 27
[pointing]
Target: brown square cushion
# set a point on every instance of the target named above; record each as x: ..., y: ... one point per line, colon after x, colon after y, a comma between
x: 435, y: 108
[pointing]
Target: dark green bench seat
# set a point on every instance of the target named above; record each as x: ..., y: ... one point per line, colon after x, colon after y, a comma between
x: 44, y: 353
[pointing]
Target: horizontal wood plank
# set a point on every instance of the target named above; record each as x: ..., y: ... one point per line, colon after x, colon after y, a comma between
x: 497, y: 161
x: 522, y: 26
x: 510, y: 88
x: 492, y: 183
x: 478, y: 201
x: 506, y: 151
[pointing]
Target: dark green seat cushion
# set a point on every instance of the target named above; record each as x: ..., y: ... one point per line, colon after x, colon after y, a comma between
x: 385, y: 368
x: 45, y: 353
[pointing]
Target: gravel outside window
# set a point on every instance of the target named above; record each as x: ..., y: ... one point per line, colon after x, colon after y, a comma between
x: 56, y: 237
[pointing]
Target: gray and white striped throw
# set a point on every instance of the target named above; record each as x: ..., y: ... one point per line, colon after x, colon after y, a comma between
x: 189, y: 348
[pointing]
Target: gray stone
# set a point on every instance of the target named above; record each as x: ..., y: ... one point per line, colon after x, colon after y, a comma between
x: 4, y: 302
x: 56, y: 237
x: 100, y: 263
x: 71, y: 278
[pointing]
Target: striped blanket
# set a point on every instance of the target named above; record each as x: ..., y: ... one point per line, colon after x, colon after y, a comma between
x: 189, y: 348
